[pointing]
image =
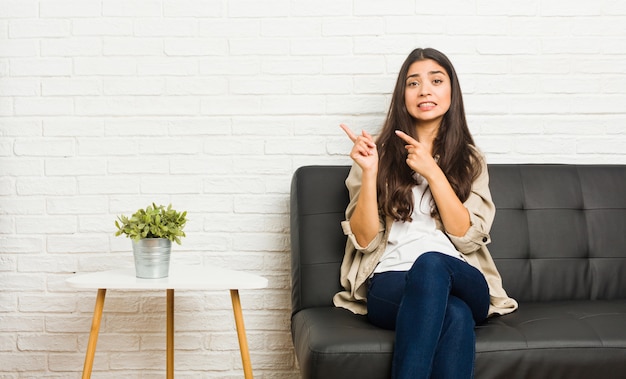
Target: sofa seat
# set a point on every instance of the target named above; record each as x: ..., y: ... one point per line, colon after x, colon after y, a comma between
x: 339, y: 343
x: 560, y: 339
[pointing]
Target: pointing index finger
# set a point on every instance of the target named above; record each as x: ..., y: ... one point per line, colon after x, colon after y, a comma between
x: 349, y: 132
x: 407, y: 138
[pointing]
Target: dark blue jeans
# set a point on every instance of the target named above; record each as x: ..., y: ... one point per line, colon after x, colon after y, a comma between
x: 434, y: 308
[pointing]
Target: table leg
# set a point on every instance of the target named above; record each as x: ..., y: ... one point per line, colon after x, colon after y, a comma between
x: 241, y: 334
x: 170, y: 334
x: 93, y: 335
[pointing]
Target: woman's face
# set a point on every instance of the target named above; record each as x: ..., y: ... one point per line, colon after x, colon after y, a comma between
x: 427, y: 92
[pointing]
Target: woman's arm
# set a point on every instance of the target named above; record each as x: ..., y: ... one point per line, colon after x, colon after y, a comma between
x: 454, y: 215
x: 481, y: 211
x: 364, y: 219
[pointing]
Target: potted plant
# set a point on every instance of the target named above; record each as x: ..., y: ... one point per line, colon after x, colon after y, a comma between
x: 152, y: 231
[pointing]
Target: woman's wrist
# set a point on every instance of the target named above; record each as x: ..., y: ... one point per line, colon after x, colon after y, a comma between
x: 434, y: 175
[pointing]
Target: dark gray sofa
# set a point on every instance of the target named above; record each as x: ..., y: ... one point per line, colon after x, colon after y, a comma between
x: 558, y: 239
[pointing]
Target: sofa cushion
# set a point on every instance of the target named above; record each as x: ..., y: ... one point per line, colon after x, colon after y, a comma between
x: 335, y: 343
x: 560, y: 339
x: 541, y: 340
x: 559, y: 231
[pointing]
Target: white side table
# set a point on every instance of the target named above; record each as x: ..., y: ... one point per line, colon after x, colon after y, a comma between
x: 180, y: 277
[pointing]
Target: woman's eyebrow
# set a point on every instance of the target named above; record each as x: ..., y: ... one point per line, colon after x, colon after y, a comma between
x: 429, y: 73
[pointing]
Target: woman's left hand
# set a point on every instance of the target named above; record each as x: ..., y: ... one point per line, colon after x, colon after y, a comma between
x: 419, y: 158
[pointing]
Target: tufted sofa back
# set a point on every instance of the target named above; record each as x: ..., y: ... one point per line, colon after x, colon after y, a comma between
x: 558, y: 233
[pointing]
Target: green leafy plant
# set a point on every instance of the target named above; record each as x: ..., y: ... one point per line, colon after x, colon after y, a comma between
x: 153, y: 222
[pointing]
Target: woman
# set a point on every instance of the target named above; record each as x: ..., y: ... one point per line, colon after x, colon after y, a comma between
x: 417, y: 224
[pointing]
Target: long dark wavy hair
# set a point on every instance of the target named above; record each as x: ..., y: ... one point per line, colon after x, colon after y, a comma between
x: 453, y: 145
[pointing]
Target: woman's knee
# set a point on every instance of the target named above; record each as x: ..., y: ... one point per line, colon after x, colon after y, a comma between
x: 426, y: 265
x: 429, y: 260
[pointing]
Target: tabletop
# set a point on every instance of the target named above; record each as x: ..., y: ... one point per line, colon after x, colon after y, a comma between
x: 180, y: 277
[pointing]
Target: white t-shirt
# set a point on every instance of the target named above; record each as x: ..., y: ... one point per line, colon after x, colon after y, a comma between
x: 409, y: 240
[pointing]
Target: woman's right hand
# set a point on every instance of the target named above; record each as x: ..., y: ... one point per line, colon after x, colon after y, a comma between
x: 364, y: 151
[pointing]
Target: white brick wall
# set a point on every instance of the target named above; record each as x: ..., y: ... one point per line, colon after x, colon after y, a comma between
x: 108, y: 105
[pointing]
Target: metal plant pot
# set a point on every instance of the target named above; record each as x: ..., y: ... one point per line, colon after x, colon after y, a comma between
x: 152, y: 257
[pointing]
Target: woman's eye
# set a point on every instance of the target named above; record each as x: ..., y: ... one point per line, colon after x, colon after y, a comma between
x: 412, y: 84
x: 437, y: 81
